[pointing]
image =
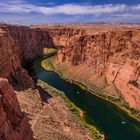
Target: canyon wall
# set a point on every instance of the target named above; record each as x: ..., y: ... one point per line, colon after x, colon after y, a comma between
x: 13, y: 122
x: 105, y: 57
x: 17, y: 44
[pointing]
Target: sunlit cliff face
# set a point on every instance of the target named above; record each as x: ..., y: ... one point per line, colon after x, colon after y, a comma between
x: 107, y: 51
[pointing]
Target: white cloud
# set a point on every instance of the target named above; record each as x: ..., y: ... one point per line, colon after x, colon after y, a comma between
x: 21, y: 11
x: 16, y: 6
x: 21, y: 6
x: 136, y: 7
x: 73, y: 9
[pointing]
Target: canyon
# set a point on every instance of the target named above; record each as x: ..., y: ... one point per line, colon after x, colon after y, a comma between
x: 27, y: 112
x: 106, y: 57
x: 103, y: 56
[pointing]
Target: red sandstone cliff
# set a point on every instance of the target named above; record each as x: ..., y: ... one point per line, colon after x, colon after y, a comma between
x: 17, y: 43
x: 13, y: 123
x: 107, y: 58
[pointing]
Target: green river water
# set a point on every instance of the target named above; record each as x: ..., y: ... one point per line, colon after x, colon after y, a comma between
x: 112, y: 121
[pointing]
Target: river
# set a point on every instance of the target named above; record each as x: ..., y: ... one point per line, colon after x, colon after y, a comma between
x: 112, y: 121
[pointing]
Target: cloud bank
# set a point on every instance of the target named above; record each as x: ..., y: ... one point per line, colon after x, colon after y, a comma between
x: 25, y: 12
x: 21, y: 6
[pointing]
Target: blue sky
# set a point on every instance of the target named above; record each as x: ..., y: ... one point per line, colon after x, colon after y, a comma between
x: 61, y: 11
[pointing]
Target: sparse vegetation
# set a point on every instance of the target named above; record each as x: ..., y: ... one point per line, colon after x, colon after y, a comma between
x: 73, y: 108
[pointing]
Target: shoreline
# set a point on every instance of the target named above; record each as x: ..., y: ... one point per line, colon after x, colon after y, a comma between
x: 86, y: 87
x: 96, y: 134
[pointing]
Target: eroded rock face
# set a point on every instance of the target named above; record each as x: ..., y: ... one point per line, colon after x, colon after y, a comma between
x: 13, y: 123
x: 18, y: 43
x: 112, y: 53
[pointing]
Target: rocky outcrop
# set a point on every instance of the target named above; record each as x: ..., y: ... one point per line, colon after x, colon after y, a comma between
x: 18, y: 43
x: 110, y: 57
x: 13, y: 123
x: 62, y: 34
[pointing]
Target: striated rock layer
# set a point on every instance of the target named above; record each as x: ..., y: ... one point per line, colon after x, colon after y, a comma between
x: 107, y: 57
x: 17, y: 44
